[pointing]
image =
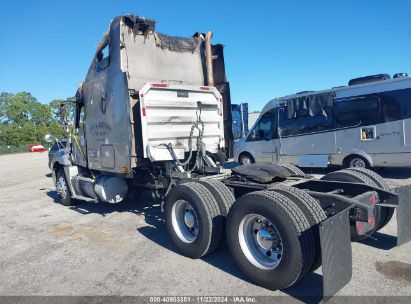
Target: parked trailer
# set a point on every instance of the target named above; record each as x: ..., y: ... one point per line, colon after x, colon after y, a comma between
x: 169, y: 135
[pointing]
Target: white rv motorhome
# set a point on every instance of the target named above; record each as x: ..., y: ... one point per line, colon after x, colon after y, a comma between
x: 365, y: 124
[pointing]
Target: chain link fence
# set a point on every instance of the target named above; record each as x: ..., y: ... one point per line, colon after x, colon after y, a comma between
x: 13, y: 149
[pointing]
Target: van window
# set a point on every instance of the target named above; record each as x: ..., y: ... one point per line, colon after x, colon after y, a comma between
x: 305, y: 124
x: 396, y: 104
x: 263, y: 130
x: 391, y: 109
x: 357, y: 111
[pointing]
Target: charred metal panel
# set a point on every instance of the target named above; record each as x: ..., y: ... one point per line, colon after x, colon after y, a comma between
x: 111, y: 91
x: 107, y: 106
x: 145, y: 60
x: 223, y: 86
x: 336, y: 252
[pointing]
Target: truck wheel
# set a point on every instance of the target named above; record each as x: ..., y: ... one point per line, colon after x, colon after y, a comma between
x: 312, y: 211
x: 223, y: 196
x: 357, y: 177
x: 63, y: 188
x: 380, y: 181
x: 246, y: 159
x: 270, y: 239
x: 356, y: 161
x: 193, y: 219
x: 293, y: 169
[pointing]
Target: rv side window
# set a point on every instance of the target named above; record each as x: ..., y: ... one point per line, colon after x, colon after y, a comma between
x: 305, y: 125
x: 396, y: 104
x: 391, y: 107
x: 263, y: 130
x: 358, y: 111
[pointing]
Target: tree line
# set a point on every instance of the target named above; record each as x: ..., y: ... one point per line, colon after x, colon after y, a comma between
x: 24, y: 120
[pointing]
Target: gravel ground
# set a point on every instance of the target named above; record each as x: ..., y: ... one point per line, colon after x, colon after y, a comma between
x: 123, y: 249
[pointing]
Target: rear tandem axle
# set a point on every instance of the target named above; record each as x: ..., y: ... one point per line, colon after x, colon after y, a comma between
x: 281, y: 225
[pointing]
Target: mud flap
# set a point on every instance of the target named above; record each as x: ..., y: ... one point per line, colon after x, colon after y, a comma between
x: 335, y: 253
x: 404, y: 214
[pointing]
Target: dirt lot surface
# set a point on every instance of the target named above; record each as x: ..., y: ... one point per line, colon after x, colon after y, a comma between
x: 123, y: 249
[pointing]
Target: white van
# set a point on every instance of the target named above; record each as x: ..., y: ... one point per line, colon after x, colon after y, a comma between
x: 366, y: 124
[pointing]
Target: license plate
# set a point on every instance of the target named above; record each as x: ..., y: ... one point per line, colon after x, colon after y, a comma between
x: 182, y: 94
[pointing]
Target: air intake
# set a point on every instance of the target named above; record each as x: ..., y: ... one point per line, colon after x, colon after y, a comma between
x: 370, y: 78
x: 400, y: 75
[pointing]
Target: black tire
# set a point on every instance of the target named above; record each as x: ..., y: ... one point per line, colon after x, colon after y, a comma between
x: 357, y: 177
x: 380, y: 181
x: 389, y: 212
x: 350, y: 162
x: 208, y: 216
x: 243, y: 156
x: 312, y: 211
x: 294, y: 230
x: 293, y: 169
x: 65, y: 200
x: 223, y: 196
x: 220, y: 157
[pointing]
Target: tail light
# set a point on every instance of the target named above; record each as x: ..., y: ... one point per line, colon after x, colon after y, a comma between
x: 159, y: 85
x: 204, y: 88
x: 371, y: 220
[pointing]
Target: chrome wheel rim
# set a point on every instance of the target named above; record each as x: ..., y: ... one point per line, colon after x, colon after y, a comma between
x: 185, y: 221
x: 260, y: 241
x: 245, y: 160
x: 62, y: 187
x: 357, y: 163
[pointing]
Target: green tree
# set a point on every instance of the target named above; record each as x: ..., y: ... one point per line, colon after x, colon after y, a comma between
x: 68, y: 104
x: 24, y: 120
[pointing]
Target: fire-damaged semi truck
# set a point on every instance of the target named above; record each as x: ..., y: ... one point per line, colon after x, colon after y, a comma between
x: 154, y: 113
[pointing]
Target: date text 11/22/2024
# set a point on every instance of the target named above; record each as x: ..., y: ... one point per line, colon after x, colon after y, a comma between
x: 203, y: 299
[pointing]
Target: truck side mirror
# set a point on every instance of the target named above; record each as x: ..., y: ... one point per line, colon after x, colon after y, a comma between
x: 253, y: 134
x: 48, y: 138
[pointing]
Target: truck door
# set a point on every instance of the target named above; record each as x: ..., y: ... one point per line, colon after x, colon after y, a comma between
x: 261, y: 140
x: 78, y: 139
x: 106, y: 98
